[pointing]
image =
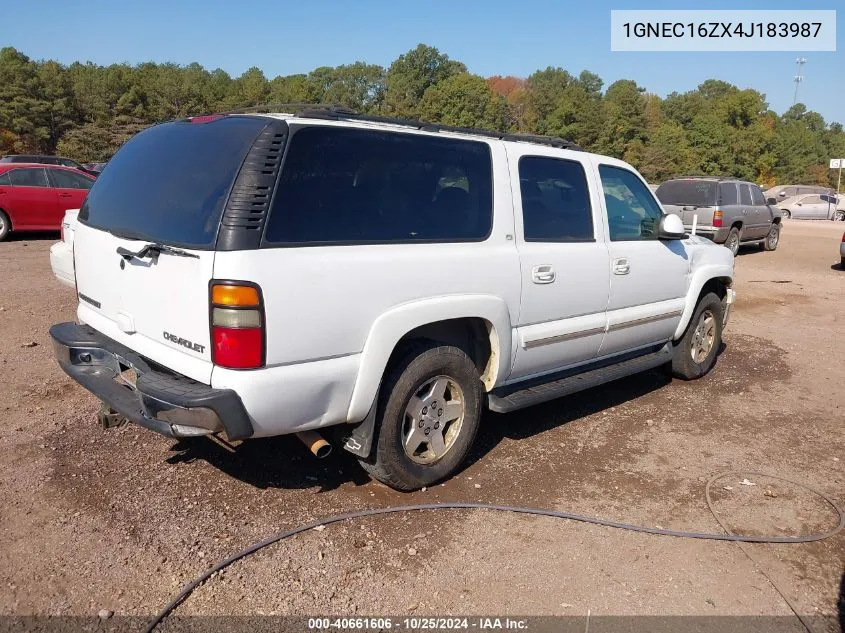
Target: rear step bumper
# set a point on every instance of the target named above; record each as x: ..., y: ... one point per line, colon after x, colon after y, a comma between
x: 170, y: 404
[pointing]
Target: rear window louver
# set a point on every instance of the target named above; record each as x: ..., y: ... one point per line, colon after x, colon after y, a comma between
x: 249, y: 202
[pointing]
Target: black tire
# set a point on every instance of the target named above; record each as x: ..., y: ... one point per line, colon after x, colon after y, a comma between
x: 772, y: 239
x: 5, y: 226
x: 684, y: 366
x: 785, y: 214
x: 838, y: 215
x: 732, y: 241
x: 389, y: 462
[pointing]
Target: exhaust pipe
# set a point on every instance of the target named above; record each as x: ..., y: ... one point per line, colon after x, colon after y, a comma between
x: 315, y: 443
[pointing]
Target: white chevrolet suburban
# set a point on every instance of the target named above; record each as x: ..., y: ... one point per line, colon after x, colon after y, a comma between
x: 253, y: 275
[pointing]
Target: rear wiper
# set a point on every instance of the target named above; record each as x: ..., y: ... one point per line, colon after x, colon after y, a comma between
x: 153, y: 250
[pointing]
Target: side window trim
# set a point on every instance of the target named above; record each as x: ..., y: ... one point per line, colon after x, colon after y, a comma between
x: 521, y: 209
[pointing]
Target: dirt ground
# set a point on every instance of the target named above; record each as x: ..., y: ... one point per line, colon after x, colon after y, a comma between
x: 120, y: 519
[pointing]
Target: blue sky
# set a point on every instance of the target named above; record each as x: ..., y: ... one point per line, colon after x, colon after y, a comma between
x: 491, y: 37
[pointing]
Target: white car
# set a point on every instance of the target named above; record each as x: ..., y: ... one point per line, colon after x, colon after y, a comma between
x: 266, y: 274
x: 61, y: 253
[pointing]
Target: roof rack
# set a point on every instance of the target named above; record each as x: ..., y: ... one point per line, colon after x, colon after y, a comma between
x: 336, y: 112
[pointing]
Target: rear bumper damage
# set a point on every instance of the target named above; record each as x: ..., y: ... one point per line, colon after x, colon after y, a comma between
x: 169, y: 404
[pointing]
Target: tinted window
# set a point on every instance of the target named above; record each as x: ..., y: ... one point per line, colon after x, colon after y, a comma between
x: 31, y: 177
x: 744, y: 195
x: 170, y: 182
x: 632, y: 212
x: 69, y: 180
x: 727, y: 192
x: 4, y: 179
x: 350, y: 185
x: 757, y: 196
x: 699, y: 193
x: 555, y: 200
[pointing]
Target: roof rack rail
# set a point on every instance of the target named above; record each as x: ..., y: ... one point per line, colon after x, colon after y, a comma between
x: 337, y: 112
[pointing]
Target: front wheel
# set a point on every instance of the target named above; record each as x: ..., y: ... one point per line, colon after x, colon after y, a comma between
x: 839, y: 215
x: 785, y: 214
x: 5, y: 226
x: 772, y: 238
x: 695, y: 353
x: 428, y: 416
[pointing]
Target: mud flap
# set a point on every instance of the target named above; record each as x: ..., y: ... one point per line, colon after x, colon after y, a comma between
x: 359, y: 440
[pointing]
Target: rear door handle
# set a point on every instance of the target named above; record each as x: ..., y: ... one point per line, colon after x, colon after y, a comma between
x: 621, y: 266
x: 64, y: 195
x: 544, y: 274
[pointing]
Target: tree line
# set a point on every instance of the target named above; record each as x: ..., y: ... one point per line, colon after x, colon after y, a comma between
x: 86, y: 111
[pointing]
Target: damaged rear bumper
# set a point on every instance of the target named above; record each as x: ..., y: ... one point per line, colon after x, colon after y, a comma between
x: 167, y: 403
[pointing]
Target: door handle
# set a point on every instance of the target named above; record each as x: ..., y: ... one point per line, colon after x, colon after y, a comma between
x: 64, y: 195
x: 621, y: 266
x: 543, y: 274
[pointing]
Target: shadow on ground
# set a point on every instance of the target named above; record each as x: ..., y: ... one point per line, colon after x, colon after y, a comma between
x: 284, y: 462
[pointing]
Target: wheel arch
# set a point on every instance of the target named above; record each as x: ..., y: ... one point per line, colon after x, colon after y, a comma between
x: 479, y: 324
x: 716, y: 279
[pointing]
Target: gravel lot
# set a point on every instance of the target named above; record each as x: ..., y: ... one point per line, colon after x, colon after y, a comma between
x: 119, y: 519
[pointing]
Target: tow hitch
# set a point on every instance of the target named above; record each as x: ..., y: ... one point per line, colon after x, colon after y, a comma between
x: 110, y: 418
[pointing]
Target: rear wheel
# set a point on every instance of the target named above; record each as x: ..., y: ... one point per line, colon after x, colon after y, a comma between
x: 5, y: 226
x: 839, y: 215
x: 785, y: 214
x: 733, y: 241
x: 772, y: 238
x: 428, y: 415
x: 695, y: 353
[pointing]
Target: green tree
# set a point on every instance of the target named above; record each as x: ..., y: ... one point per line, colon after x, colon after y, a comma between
x: 412, y: 74
x: 464, y: 100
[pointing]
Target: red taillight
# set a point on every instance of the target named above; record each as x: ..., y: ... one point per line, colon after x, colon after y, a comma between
x: 237, y: 348
x: 206, y: 118
x: 717, y: 218
x: 237, y: 325
x: 843, y: 237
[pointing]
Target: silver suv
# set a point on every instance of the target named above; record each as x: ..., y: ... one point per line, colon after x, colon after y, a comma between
x: 728, y: 211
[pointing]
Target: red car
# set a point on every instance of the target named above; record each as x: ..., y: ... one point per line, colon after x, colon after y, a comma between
x: 35, y: 197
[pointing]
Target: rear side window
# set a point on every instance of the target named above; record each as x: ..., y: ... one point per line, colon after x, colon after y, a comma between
x: 727, y: 191
x: 745, y: 195
x: 28, y: 177
x: 69, y: 180
x: 4, y: 179
x: 170, y: 182
x: 555, y: 200
x: 346, y: 185
x: 699, y: 193
x: 757, y: 197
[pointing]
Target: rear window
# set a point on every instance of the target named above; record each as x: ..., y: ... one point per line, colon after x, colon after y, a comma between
x: 347, y: 185
x: 698, y: 193
x: 170, y: 182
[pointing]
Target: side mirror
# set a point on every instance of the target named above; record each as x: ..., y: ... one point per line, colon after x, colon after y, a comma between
x: 671, y: 227
x: 771, y: 201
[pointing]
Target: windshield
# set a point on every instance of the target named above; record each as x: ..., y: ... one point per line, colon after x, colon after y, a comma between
x: 170, y: 182
x: 698, y: 193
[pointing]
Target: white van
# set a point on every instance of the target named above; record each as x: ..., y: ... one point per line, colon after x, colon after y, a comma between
x: 261, y: 274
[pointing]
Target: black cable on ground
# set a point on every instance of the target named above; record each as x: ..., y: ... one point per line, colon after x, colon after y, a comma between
x: 188, y: 589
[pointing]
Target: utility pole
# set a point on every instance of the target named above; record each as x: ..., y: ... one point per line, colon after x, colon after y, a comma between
x: 798, y: 78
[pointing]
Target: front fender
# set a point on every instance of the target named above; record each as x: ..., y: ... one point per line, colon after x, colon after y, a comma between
x: 700, y: 276
x: 391, y: 326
